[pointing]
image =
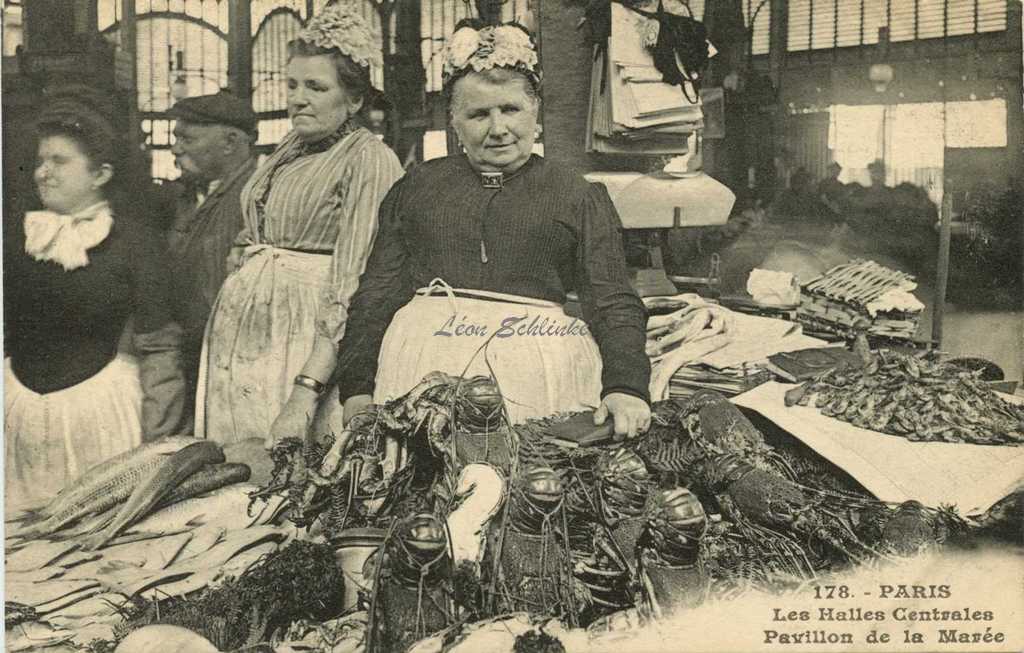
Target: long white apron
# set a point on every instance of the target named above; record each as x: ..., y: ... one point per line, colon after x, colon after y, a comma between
x: 258, y: 338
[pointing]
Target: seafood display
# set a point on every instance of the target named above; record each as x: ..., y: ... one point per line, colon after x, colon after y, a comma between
x: 913, y: 397
x: 861, y: 296
x: 166, y: 519
x: 700, y: 506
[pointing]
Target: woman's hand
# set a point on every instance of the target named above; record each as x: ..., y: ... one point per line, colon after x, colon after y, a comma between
x: 632, y: 415
x: 355, y: 405
x: 234, y: 259
x: 295, y: 417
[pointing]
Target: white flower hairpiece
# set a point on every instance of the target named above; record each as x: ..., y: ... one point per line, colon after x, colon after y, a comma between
x: 343, y: 28
x: 505, y: 46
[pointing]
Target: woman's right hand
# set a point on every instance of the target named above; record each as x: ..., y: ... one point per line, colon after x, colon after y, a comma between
x: 295, y: 417
x: 355, y: 405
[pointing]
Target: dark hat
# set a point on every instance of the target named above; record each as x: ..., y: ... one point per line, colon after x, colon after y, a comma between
x: 221, y: 108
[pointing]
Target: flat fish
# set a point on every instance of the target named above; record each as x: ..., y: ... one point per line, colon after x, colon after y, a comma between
x: 38, y: 555
x: 133, y: 580
x: 273, y: 506
x: 86, y: 632
x: 209, y: 575
x: 75, y: 558
x: 233, y: 544
x: 69, y: 600
x: 130, y: 562
x: 33, y: 594
x: 149, y: 554
x: 34, y: 576
x: 226, y: 507
x: 99, y: 606
x: 35, y: 635
x: 203, y: 539
x: 173, y: 470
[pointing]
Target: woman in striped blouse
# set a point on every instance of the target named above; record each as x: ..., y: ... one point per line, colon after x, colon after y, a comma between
x: 310, y: 214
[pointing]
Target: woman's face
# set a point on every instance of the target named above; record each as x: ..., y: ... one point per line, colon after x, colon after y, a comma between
x: 496, y: 122
x: 66, y: 178
x: 317, y: 103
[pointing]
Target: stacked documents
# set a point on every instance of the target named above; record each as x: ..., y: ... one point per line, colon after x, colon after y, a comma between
x: 632, y: 111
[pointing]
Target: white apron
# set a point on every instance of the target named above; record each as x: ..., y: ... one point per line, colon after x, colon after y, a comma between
x: 258, y: 338
x: 51, y: 439
x: 543, y: 360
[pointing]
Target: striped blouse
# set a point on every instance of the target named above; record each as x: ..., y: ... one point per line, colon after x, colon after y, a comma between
x: 323, y: 201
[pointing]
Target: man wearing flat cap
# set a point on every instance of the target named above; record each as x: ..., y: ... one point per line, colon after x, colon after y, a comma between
x: 214, y: 135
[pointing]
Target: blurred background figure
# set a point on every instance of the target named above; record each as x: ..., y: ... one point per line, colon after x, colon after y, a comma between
x: 832, y: 192
x: 214, y: 136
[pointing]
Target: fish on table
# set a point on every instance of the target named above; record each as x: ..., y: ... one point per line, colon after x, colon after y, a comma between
x: 34, y: 594
x: 205, y: 576
x: 39, y: 555
x: 226, y: 507
x: 155, y: 485
x: 98, y: 606
x: 35, y: 635
x: 106, y: 484
x: 44, y: 609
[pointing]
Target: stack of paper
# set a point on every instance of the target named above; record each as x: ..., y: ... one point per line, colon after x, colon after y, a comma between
x: 729, y: 381
x: 631, y: 109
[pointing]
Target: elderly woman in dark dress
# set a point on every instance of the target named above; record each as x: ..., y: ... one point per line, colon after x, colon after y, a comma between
x: 74, y: 272
x: 509, y: 233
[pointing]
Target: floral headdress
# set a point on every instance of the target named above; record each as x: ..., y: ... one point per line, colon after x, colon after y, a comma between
x: 504, y: 46
x: 341, y: 27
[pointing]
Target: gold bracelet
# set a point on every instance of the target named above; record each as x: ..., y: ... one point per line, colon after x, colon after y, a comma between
x: 311, y: 383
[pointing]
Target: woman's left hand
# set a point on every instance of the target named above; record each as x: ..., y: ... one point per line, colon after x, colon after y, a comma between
x: 632, y: 415
x: 295, y: 417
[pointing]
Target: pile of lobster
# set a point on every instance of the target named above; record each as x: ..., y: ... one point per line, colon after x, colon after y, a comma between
x: 700, y: 505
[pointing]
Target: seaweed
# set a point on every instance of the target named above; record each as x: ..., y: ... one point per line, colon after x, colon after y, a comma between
x: 301, y: 581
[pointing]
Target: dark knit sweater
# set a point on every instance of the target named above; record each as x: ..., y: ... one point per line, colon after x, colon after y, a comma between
x: 547, y: 231
x: 61, y: 328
